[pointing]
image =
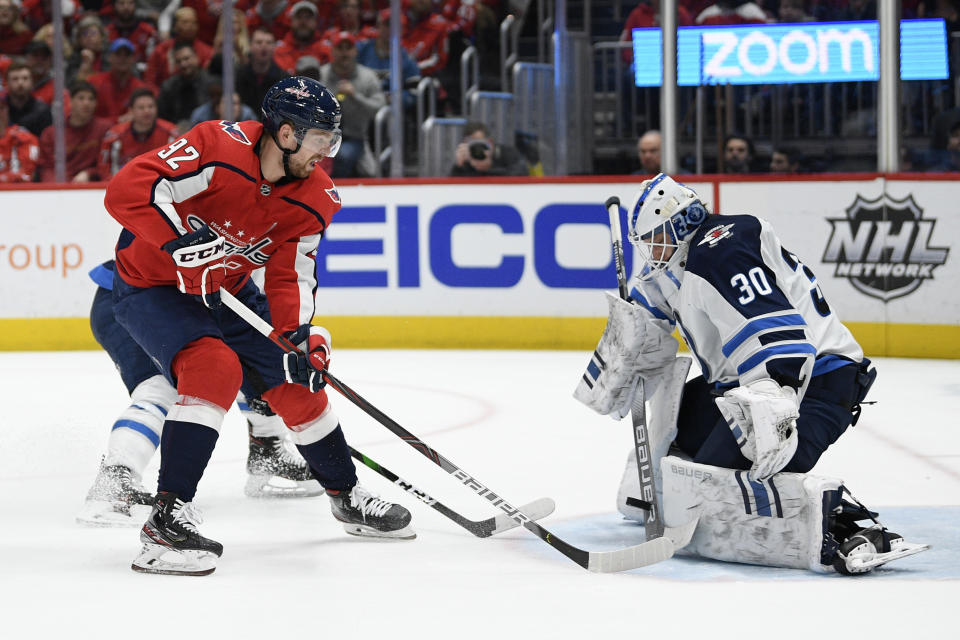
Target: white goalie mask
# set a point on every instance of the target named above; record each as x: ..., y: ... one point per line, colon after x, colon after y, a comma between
x: 663, y: 217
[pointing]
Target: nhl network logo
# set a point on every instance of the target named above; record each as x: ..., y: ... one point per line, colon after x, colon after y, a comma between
x: 883, y: 247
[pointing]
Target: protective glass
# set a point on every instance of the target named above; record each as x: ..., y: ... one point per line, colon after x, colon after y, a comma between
x: 322, y: 141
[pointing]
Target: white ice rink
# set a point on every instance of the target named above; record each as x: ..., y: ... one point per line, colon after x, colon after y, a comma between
x: 508, y: 418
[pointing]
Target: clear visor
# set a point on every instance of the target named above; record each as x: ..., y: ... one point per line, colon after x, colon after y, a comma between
x: 656, y: 247
x: 322, y: 141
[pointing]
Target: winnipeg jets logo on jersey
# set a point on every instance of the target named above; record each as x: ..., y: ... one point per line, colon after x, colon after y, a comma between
x: 234, y: 131
x: 334, y: 195
x: 235, y: 243
x: 716, y: 234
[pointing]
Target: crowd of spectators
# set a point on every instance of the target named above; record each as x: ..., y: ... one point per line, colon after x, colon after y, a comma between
x: 139, y: 72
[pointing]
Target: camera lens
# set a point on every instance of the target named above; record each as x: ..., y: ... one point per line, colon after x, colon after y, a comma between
x: 478, y: 149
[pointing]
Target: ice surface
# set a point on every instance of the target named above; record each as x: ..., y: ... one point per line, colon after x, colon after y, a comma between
x: 509, y: 419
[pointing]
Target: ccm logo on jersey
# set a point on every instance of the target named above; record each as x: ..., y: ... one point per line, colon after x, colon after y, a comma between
x: 716, y: 234
x: 234, y: 131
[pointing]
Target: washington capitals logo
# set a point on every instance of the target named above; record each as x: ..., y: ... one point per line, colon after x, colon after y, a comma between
x: 300, y: 93
x: 716, y: 234
x: 234, y: 131
x: 334, y: 195
x: 883, y: 247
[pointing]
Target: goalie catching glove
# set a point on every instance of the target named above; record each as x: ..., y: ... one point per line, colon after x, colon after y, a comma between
x: 632, y: 347
x: 763, y: 418
x: 307, y: 365
x: 199, y: 258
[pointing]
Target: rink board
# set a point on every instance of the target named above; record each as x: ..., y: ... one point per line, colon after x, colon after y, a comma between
x: 521, y: 263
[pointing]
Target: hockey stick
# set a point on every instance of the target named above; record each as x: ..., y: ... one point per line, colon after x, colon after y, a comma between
x: 653, y: 523
x: 481, y: 528
x: 639, y: 555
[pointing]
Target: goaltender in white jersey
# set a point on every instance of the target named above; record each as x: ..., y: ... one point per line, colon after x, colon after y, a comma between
x: 782, y: 379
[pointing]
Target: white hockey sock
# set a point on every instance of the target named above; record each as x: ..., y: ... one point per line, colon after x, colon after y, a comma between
x: 136, y: 433
x: 261, y: 426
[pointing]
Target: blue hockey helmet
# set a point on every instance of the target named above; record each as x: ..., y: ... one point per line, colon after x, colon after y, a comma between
x: 305, y: 104
x: 664, y: 215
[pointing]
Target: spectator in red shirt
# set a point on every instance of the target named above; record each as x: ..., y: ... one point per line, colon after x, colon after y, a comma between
x: 40, y: 60
x: 647, y: 14
x: 261, y: 72
x: 271, y: 15
x: 143, y: 132
x: 84, y: 131
x: 37, y: 13
x: 126, y: 24
x: 89, y: 44
x: 425, y: 37
x: 115, y: 87
x: 14, y: 32
x: 18, y: 149
x: 161, y: 66
x: 303, y: 39
x: 347, y: 18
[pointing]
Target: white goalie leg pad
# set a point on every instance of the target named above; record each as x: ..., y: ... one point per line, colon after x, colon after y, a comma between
x: 315, y: 430
x: 661, y: 432
x: 779, y: 522
x: 135, y: 434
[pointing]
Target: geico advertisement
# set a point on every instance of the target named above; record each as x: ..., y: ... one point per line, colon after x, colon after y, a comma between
x: 880, y: 250
x: 504, y: 250
x: 48, y: 243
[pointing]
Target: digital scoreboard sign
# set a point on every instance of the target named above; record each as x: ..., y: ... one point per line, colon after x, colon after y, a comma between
x: 790, y: 53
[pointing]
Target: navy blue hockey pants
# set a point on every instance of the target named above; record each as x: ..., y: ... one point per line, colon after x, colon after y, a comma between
x: 826, y: 411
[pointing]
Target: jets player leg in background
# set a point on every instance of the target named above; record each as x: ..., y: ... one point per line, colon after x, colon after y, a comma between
x: 782, y: 380
x: 117, y: 497
x: 217, y: 204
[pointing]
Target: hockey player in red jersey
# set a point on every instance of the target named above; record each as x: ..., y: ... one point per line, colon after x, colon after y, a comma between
x: 201, y: 213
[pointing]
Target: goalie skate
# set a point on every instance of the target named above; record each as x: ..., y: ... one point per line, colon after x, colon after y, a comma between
x: 116, y: 499
x: 364, y: 514
x: 871, y: 548
x: 276, y: 470
x: 172, y: 544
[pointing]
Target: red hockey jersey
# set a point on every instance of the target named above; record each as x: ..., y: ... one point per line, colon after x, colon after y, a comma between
x: 212, y: 176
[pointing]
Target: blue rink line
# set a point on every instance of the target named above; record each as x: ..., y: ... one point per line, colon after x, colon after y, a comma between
x: 936, y: 526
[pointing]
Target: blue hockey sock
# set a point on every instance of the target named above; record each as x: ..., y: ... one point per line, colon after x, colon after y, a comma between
x: 330, y: 461
x: 185, y: 449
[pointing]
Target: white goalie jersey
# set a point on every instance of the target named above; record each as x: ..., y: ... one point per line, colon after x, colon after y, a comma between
x: 747, y: 307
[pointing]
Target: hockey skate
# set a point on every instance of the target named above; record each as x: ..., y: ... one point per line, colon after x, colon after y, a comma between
x: 863, y: 549
x: 276, y: 470
x: 116, y: 499
x: 364, y: 514
x: 172, y: 545
x: 872, y: 547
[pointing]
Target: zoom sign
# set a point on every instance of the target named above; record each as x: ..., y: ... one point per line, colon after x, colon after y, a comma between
x: 791, y: 53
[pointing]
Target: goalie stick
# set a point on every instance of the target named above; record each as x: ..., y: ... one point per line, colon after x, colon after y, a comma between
x: 653, y: 523
x: 481, y: 528
x: 632, y: 557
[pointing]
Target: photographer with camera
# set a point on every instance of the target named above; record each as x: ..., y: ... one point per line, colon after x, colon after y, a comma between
x: 478, y: 156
